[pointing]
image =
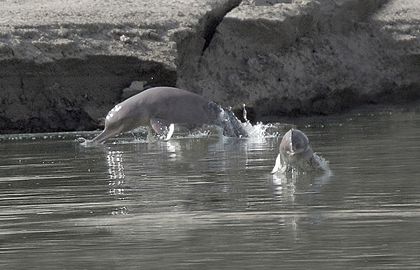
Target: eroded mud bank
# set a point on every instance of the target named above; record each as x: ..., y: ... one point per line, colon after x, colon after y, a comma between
x: 69, y: 94
x: 64, y: 65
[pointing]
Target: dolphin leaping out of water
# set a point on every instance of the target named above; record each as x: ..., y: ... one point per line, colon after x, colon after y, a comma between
x: 162, y: 107
x: 295, y: 152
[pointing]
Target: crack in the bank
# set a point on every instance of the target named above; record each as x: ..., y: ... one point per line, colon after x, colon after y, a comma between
x: 214, y: 21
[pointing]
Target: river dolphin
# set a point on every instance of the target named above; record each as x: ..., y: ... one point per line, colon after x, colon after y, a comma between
x: 296, y: 152
x: 162, y: 107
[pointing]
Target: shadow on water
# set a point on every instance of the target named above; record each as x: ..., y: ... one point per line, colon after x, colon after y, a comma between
x: 201, y: 201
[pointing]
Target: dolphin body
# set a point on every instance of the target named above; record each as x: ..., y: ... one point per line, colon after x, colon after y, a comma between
x: 295, y: 152
x: 161, y: 108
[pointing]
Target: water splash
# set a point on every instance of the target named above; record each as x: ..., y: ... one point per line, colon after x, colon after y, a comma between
x: 253, y: 131
x: 198, y: 133
x: 259, y: 130
x: 322, y: 162
x: 85, y: 142
x: 24, y: 137
x: 233, y: 127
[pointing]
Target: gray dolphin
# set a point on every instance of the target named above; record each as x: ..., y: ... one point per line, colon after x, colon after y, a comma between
x: 161, y: 108
x: 296, y: 152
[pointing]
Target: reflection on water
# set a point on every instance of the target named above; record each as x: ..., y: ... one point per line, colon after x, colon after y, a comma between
x: 285, y: 184
x: 201, y: 201
x: 116, y: 176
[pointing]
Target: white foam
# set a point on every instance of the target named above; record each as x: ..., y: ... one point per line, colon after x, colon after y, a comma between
x: 199, y: 133
x: 259, y: 130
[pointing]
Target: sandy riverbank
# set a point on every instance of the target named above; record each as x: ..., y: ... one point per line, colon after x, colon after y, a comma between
x: 63, y: 65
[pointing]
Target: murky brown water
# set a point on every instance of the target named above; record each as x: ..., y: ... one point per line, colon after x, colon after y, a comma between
x: 205, y: 203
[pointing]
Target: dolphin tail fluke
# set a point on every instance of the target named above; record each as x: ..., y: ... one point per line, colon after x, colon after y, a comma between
x: 232, y: 127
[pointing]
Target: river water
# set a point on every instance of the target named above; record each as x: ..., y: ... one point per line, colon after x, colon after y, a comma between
x: 204, y: 202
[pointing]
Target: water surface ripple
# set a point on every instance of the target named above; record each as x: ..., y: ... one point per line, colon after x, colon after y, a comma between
x: 200, y: 202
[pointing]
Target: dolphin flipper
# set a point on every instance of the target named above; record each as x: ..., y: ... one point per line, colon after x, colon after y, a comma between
x: 162, y: 128
x: 170, y: 131
x: 276, y: 165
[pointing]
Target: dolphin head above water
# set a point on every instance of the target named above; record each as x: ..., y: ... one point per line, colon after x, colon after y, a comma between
x: 295, y: 144
x: 295, y: 152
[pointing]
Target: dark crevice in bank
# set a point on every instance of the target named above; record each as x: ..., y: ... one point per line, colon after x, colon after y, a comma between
x: 213, y: 22
x: 192, y: 44
x: 70, y: 94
